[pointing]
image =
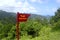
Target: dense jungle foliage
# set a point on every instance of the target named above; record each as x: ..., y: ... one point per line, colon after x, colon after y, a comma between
x: 37, y: 27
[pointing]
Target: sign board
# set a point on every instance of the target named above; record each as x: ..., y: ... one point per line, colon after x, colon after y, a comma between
x: 22, y: 17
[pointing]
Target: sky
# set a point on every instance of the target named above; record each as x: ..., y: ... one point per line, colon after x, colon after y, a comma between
x: 40, y: 7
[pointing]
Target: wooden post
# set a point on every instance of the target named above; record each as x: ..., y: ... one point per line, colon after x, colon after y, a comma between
x: 17, y: 27
x: 20, y: 18
x: 17, y: 31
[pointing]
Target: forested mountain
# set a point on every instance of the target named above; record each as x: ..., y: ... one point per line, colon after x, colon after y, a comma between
x: 36, y: 27
x: 4, y: 14
x: 7, y: 17
x: 10, y: 16
x: 8, y: 23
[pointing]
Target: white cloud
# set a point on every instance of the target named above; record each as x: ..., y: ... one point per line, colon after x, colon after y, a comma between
x: 33, y: 0
x: 54, y: 9
x: 26, y: 7
x: 40, y: 1
x: 48, y: 11
x: 58, y: 1
x: 6, y: 2
x: 13, y: 6
x: 51, y: 9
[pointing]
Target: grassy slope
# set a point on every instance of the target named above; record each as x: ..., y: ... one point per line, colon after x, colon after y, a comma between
x: 45, y: 34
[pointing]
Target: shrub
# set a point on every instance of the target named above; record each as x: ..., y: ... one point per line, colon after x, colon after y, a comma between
x: 31, y: 28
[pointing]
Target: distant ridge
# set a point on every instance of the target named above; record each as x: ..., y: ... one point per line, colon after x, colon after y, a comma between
x: 12, y: 16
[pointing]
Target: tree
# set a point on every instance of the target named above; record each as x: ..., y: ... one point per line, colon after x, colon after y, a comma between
x: 57, y: 16
x: 55, y: 20
x: 31, y: 27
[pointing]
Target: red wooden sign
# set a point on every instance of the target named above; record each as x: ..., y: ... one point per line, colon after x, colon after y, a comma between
x: 22, y: 17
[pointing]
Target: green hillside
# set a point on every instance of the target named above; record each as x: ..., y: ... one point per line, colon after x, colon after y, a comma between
x: 37, y: 27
